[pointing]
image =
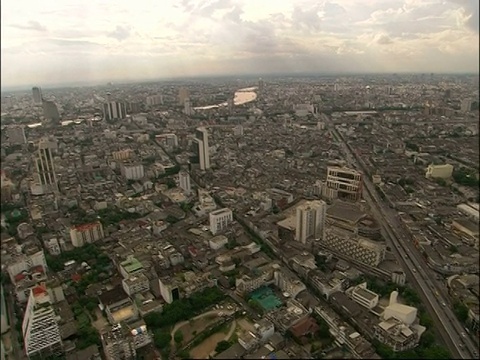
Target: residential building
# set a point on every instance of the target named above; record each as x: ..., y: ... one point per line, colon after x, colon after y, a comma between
x: 439, y: 171
x: 169, y: 291
x: 136, y: 284
x: 132, y: 171
x: 122, y: 154
x: 310, y: 222
x: 37, y: 95
x: 41, y: 333
x: 86, y: 233
x: 130, y: 267
x: 187, y: 107
x: 466, y: 105
x: 347, y: 182
x: 154, y: 100
x: 184, y: 180
x: 16, y: 135
x: 201, y: 137
x: 117, y: 345
x: 219, y: 220
x: 114, y: 110
x: 183, y: 94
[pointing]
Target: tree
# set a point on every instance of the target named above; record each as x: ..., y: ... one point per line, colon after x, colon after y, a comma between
x: 162, y: 339
x: 222, y: 346
x: 461, y: 311
x: 178, y: 337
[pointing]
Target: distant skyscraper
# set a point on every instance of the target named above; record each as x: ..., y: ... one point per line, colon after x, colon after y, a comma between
x: 50, y: 111
x: 114, y: 110
x: 45, y: 165
x: 261, y: 84
x: 201, y: 136
x: 37, y: 95
x: 310, y: 221
x: 187, y: 107
x: 183, y: 94
x: 231, y: 105
x: 184, y: 179
x: 466, y: 105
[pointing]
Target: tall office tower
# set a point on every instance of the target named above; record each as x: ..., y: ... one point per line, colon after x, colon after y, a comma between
x: 466, y: 105
x: 114, y: 110
x: 41, y: 333
x: 37, y: 95
x: 261, y: 84
x: 184, y: 179
x: 187, y: 107
x: 16, y: 135
x: 201, y: 135
x: 50, y: 111
x: 311, y: 221
x: 183, y: 94
x: 231, y: 105
x: 336, y: 87
x: 45, y: 166
x: 347, y: 182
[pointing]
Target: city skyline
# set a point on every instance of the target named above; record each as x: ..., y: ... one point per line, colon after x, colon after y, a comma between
x: 48, y: 44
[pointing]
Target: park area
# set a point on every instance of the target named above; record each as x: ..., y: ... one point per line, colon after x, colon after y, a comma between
x: 190, y: 329
x: 207, y: 346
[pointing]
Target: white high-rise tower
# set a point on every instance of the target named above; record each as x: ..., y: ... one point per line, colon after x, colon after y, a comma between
x: 311, y: 221
x: 184, y: 179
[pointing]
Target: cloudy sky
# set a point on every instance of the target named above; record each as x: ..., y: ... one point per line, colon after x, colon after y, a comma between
x: 62, y: 41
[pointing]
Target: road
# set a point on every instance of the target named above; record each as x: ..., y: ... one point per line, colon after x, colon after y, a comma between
x: 417, y: 270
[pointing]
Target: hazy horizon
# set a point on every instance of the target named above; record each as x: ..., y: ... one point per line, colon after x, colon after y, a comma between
x: 49, y: 44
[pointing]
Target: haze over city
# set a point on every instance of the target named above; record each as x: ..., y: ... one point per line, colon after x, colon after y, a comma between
x: 51, y: 42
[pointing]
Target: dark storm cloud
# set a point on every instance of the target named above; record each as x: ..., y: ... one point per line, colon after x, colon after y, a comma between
x: 31, y: 25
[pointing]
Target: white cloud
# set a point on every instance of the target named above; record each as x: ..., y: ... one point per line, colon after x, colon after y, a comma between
x: 98, y: 40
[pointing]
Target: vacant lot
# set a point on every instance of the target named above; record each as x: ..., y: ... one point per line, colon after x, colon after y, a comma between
x: 101, y: 322
x: 204, y: 349
x: 192, y: 328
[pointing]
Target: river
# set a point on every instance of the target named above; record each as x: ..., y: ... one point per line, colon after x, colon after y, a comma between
x: 242, y: 96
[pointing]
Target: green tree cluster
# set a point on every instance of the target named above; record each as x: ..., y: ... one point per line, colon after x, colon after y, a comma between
x: 222, y: 346
x: 466, y: 177
x: 184, y: 309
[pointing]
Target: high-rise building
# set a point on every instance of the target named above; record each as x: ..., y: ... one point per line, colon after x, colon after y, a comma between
x: 201, y: 135
x: 16, y: 135
x: 41, y: 333
x: 45, y: 166
x: 37, y: 95
x: 466, y: 105
x: 187, y: 107
x: 86, y: 233
x: 220, y: 219
x: 184, y: 180
x: 154, y: 100
x: 231, y: 105
x: 261, y: 84
x: 183, y: 94
x: 118, y: 345
x: 310, y: 221
x: 347, y: 182
x: 114, y: 110
x: 50, y: 111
